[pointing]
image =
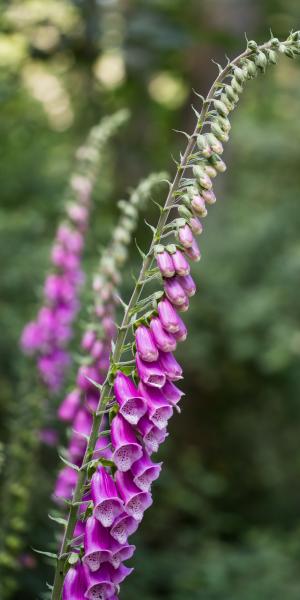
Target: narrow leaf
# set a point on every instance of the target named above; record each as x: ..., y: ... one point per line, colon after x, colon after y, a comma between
x: 48, y: 554
x: 68, y: 463
x: 58, y: 520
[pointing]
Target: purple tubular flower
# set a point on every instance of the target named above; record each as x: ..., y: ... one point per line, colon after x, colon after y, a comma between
x: 194, y: 252
x: 159, y: 409
x: 165, y: 263
x: 181, y: 334
x: 119, y: 553
x: 132, y: 405
x: 185, y: 236
x: 184, y: 307
x: 127, y: 449
x: 180, y: 263
x: 168, y: 316
x: 170, y: 366
x: 163, y: 340
x: 145, y: 344
x: 172, y: 393
x: 118, y: 575
x: 99, y: 583
x: 65, y: 483
x: 198, y: 205
x: 174, y: 291
x: 188, y: 285
x: 151, y: 374
x: 69, y: 406
x: 74, y: 583
x: 96, y: 544
x: 136, y: 502
x: 145, y: 472
x: 195, y: 225
x: 107, y: 503
x: 123, y: 527
x: 152, y: 436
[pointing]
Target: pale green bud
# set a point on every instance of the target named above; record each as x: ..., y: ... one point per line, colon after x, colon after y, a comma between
x: 272, y: 57
x: 232, y: 95
x: 211, y: 171
x: 224, y: 124
x: 251, y: 68
x: 218, y: 132
x: 227, y: 102
x: 218, y: 163
x: 221, y: 108
x: 214, y: 143
x: 239, y: 74
x: 202, y: 177
x: 203, y: 146
x: 236, y: 86
x: 275, y: 42
x: 261, y: 61
x: 252, y: 45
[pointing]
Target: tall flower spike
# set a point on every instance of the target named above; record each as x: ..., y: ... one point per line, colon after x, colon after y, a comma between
x: 184, y: 190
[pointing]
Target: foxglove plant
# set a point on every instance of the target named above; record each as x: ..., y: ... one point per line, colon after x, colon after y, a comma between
x: 47, y: 338
x: 78, y: 405
x: 118, y: 492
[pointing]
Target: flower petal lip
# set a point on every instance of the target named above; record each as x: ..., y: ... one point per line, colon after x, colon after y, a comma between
x: 135, y: 501
x: 123, y: 526
x: 145, y: 344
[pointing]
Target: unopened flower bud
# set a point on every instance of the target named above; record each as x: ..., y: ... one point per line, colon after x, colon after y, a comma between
x: 185, y: 236
x: 236, y: 86
x: 232, y: 95
x: 252, y: 45
x: 198, y: 205
x: 261, y: 61
x: 215, y: 144
x: 239, y: 74
x: 272, y: 57
x: 221, y: 108
x: 224, y: 124
x: 195, y: 225
x: 227, y: 102
x: 202, y: 177
x: 209, y: 196
x: 218, y: 163
x: 211, y: 171
x: 203, y: 146
x: 287, y: 51
x: 218, y: 132
x: 250, y: 67
x: 164, y: 261
x: 275, y: 42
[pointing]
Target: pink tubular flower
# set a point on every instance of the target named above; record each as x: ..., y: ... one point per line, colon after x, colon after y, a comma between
x: 185, y: 236
x: 132, y: 405
x: 126, y: 448
x: 198, y: 205
x: 150, y: 373
x: 123, y: 526
x: 168, y: 316
x: 175, y: 292
x: 180, y: 263
x: 170, y: 366
x: 145, y: 472
x: 163, y: 340
x: 195, y: 225
x: 75, y: 583
x: 194, y: 252
x: 106, y: 500
x: 164, y: 263
x: 135, y: 501
x: 188, y: 285
x: 145, y: 344
x: 159, y: 409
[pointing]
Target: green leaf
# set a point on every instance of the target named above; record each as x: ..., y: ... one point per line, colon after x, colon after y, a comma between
x: 68, y: 463
x: 48, y: 554
x: 58, y: 520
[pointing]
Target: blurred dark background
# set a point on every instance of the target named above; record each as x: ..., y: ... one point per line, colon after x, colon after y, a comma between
x: 225, y: 523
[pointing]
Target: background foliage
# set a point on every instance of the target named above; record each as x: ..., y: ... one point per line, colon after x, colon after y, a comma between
x: 225, y: 522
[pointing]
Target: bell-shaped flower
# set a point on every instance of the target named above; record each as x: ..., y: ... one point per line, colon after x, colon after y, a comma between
x: 181, y: 334
x: 194, y: 252
x: 180, y: 263
x: 163, y: 340
x: 152, y: 436
x: 145, y: 472
x: 159, y: 409
x: 188, y: 285
x: 123, y: 526
x: 150, y: 373
x: 174, y: 291
x: 135, y: 501
x: 75, y: 583
x: 99, y: 583
x: 126, y: 448
x: 69, y: 406
x: 96, y: 544
x: 164, y: 262
x: 168, y: 316
x: 108, y: 505
x: 185, y: 236
x: 170, y: 366
x: 132, y: 405
x: 145, y: 345
x: 172, y: 393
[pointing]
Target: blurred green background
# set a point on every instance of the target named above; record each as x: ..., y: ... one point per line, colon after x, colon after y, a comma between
x: 225, y: 523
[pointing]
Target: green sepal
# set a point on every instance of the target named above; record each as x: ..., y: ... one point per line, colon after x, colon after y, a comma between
x: 73, y: 558
x: 44, y: 553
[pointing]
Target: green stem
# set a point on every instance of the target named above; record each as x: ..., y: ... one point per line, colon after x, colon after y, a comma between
x: 123, y: 330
